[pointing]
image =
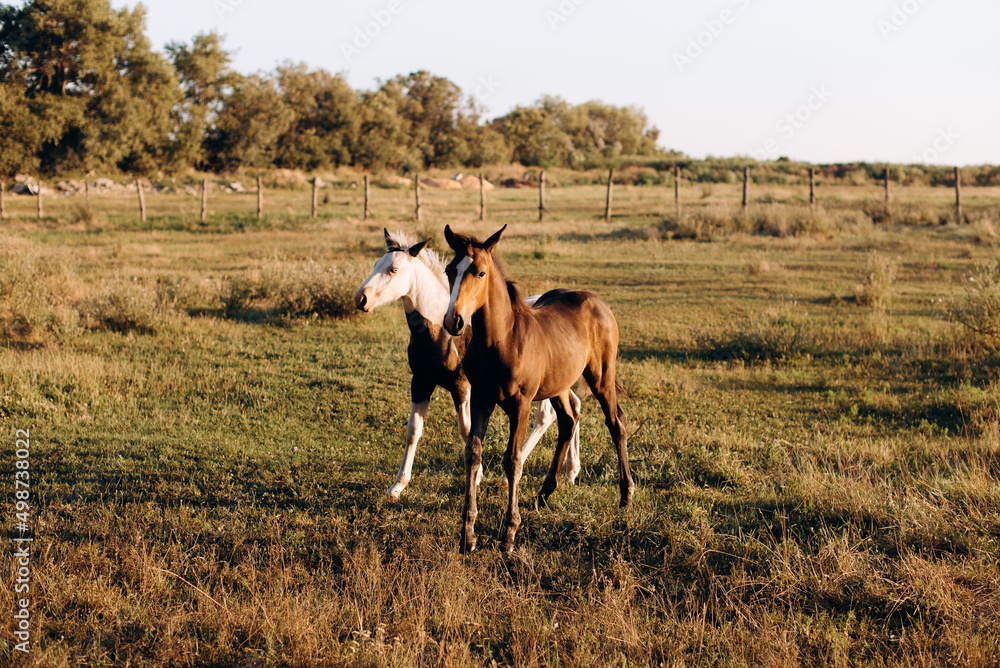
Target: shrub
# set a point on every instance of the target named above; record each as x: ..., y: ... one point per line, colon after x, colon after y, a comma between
x: 128, y: 305
x: 34, y: 303
x: 183, y: 293
x: 774, y: 335
x: 876, y: 290
x: 979, y: 308
x: 82, y: 214
x: 983, y: 232
x: 238, y: 292
x: 309, y: 289
x: 877, y: 210
x: 756, y: 263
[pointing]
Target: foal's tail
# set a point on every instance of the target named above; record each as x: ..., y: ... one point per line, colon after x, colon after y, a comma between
x: 619, y: 388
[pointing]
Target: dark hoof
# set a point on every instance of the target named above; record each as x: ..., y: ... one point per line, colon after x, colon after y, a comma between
x: 467, y: 547
x: 541, y: 502
x: 507, y: 548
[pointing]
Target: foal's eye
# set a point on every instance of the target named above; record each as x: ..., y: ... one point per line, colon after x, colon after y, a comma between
x: 393, y: 270
x: 481, y: 274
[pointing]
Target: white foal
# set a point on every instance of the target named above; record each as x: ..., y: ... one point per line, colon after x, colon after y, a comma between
x: 414, y: 274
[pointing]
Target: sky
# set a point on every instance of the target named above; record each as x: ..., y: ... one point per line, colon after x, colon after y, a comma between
x: 875, y: 80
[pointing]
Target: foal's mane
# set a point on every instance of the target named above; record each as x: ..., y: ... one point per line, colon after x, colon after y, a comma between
x: 428, y: 255
x: 516, y: 301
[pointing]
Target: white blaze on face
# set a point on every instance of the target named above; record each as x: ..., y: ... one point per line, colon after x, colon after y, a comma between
x: 460, y: 270
x: 376, y: 284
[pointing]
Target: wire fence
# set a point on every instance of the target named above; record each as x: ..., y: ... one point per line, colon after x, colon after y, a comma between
x: 418, y: 196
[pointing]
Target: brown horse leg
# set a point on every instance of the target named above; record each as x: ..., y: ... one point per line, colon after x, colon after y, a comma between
x: 513, y: 464
x: 481, y: 412
x: 603, y: 383
x: 567, y: 415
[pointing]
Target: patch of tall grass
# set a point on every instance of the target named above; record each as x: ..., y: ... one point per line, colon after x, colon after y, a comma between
x: 876, y: 289
x: 979, y: 308
x: 304, y: 289
x: 130, y: 305
x: 776, y: 334
x: 772, y: 220
x: 35, y: 294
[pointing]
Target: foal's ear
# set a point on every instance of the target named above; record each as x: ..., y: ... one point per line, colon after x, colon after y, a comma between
x: 390, y: 243
x: 491, y: 243
x: 453, y: 241
x: 415, y: 250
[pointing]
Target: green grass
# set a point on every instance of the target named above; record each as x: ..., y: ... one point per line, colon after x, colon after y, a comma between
x: 818, y: 481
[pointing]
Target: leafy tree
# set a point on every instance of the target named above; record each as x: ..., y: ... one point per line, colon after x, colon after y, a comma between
x: 248, y: 128
x: 432, y: 108
x: 25, y: 128
x: 325, y: 125
x: 203, y: 68
x: 89, y: 71
x: 383, y: 139
x: 485, y: 145
x: 554, y: 132
x: 534, y: 137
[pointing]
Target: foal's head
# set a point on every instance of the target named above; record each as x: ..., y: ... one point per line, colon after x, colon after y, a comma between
x: 392, y: 276
x: 469, y: 275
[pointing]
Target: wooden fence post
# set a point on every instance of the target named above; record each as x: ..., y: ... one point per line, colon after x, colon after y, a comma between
x: 416, y: 196
x: 315, y: 197
x: 541, y: 196
x: 40, y: 215
x: 3, y: 203
x: 812, y: 189
x: 482, y: 197
x: 204, y: 200
x: 260, y: 197
x: 86, y: 191
x: 607, y: 201
x: 746, y: 189
x: 142, y: 199
x: 958, y: 196
x: 888, y: 191
x: 367, y: 196
x: 677, y: 190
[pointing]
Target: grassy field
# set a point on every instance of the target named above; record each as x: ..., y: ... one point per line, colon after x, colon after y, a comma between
x: 815, y: 438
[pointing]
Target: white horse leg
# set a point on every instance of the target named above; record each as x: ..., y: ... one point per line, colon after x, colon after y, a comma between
x: 571, y: 466
x: 544, y: 418
x: 463, y: 408
x: 414, y: 428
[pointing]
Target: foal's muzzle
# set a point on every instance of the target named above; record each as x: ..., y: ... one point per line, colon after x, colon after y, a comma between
x: 361, y: 301
x: 454, y: 324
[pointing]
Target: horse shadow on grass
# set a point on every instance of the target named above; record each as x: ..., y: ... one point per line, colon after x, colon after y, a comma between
x: 249, y: 316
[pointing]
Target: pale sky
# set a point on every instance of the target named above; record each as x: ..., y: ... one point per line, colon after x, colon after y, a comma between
x: 875, y: 80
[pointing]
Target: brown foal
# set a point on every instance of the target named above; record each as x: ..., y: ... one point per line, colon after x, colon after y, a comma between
x: 519, y: 354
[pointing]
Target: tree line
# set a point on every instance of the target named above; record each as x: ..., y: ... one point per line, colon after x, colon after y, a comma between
x: 82, y: 90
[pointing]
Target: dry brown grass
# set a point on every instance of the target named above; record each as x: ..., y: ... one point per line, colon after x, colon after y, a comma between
x: 818, y: 483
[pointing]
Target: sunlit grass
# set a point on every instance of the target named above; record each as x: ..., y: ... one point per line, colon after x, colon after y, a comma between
x: 817, y: 477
